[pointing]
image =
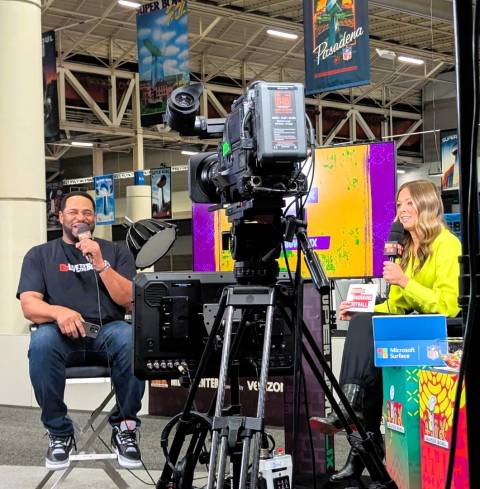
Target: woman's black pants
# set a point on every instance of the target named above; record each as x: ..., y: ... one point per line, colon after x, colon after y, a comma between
x: 358, y: 368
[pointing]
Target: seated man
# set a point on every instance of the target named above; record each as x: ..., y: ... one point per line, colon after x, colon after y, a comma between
x: 63, y: 284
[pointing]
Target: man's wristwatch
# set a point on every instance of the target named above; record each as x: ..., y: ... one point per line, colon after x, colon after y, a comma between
x: 106, y: 266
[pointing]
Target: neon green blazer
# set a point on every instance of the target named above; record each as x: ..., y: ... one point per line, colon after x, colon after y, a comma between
x: 434, y: 289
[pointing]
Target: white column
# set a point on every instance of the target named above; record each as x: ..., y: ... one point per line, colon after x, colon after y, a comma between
x: 139, y: 202
x: 22, y: 180
x: 22, y: 152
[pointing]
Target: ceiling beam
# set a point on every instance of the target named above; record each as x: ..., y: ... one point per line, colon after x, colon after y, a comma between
x: 441, y: 9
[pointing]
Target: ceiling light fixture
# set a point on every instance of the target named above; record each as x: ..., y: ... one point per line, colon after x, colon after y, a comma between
x: 400, y: 171
x: 189, y: 153
x: 386, y: 54
x: 82, y: 144
x: 283, y: 35
x: 413, y: 61
x: 127, y: 3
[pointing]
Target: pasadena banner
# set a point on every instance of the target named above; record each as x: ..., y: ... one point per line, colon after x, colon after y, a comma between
x: 162, y: 43
x: 336, y: 44
x: 50, y: 98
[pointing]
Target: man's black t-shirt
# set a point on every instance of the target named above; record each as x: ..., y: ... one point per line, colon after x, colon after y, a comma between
x: 63, y: 275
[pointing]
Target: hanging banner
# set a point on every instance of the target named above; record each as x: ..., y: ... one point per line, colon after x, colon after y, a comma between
x: 161, y: 181
x: 50, y: 97
x: 54, y: 198
x: 105, y: 199
x: 336, y: 44
x: 449, y: 156
x: 162, y: 44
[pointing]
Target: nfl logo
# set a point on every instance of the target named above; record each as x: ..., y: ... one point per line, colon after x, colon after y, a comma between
x: 347, y: 53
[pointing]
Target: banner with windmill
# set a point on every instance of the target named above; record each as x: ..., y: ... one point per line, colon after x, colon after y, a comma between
x: 336, y: 44
x: 162, y: 44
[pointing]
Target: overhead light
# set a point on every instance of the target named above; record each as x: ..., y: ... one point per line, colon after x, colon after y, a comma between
x: 127, y: 3
x: 386, y: 53
x: 82, y: 144
x: 400, y: 171
x: 284, y: 35
x: 413, y: 61
x: 189, y: 153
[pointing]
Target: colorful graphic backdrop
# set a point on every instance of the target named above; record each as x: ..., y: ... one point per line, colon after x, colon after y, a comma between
x: 349, y: 213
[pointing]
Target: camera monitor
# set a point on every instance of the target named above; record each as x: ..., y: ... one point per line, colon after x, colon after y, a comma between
x: 173, y: 314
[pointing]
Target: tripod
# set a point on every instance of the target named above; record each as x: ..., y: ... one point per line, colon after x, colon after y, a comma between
x: 233, y: 434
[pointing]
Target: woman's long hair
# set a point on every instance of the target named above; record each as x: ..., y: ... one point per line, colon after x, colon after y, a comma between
x: 428, y: 204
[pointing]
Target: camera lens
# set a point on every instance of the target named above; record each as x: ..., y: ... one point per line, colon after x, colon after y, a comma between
x: 184, y: 100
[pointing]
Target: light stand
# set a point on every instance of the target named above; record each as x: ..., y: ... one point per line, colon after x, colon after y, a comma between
x: 467, y: 78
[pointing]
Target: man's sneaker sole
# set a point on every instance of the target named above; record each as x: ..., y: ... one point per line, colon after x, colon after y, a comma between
x: 50, y: 465
x: 126, y: 463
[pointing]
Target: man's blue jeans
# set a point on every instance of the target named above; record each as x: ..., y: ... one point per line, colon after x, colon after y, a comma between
x: 48, y: 354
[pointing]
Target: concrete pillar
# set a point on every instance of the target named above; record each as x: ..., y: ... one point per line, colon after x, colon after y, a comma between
x: 138, y: 155
x: 22, y: 181
x: 97, y: 158
x: 22, y: 152
x: 139, y: 202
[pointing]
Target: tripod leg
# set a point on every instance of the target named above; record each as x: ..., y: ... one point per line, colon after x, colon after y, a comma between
x: 227, y: 337
x: 222, y: 461
x: 179, y: 437
x: 244, y: 464
x: 262, y: 389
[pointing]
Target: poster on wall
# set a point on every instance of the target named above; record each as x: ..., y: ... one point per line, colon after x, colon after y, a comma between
x: 449, y: 157
x: 336, y: 44
x: 50, y: 98
x: 162, y: 45
x: 55, y: 194
x: 105, y: 199
x: 349, y: 211
x: 161, y: 182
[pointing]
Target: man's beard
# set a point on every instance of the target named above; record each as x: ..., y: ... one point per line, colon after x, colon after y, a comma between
x: 69, y: 232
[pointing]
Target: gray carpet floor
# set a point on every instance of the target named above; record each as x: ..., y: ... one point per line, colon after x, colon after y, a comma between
x: 23, y: 447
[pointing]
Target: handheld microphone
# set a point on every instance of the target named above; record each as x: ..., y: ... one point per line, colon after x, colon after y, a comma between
x: 395, y: 238
x: 83, y: 232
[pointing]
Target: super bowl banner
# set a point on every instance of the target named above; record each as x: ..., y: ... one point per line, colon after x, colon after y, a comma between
x: 336, y: 44
x: 162, y: 44
x: 449, y: 157
x: 161, y: 182
x: 105, y: 199
x: 54, y: 199
x: 50, y: 98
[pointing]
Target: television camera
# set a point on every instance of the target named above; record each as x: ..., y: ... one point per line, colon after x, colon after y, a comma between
x: 263, y: 141
x: 264, y: 145
x: 263, y: 152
